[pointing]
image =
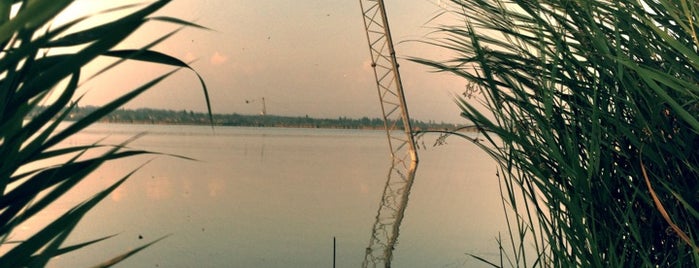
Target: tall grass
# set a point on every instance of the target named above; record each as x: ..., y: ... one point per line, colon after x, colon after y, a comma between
x: 32, y: 69
x: 592, y: 113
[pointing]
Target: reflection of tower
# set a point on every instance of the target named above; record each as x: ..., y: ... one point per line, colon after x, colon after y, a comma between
x: 401, y: 143
x: 264, y: 105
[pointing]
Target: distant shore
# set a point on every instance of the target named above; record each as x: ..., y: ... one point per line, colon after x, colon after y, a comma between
x: 184, y: 117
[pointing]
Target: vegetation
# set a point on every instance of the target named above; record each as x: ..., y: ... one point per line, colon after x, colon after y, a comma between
x: 39, y: 60
x: 593, y: 115
x: 183, y: 117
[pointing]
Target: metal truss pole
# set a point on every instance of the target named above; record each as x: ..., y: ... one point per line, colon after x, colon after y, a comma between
x: 399, y: 132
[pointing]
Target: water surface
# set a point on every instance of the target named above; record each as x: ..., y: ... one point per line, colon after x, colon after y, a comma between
x: 270, y: 197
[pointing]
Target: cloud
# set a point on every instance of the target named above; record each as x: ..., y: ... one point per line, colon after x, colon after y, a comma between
x: 189, y: 57
x: 248, y: 69
x: 218, y: 58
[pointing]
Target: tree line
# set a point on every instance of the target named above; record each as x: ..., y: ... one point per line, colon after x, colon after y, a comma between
x: 185, y: 117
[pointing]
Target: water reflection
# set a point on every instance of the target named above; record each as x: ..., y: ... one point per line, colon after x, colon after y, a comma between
x: 158, y: 188
x: 276, y: 198
x: 394, y: 202
x: 216, y: 186
x: 260, y: 148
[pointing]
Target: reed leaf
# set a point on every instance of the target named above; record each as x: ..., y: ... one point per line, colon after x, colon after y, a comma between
x: 572, y: 96
x: 30, y: 75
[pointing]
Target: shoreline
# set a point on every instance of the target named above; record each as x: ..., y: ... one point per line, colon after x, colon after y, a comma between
x: 148, y: 116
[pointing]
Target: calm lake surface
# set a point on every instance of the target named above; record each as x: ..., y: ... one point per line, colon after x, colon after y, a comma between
x: 271, y: 197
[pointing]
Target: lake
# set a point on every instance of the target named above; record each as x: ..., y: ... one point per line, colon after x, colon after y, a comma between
x: 276, y: 197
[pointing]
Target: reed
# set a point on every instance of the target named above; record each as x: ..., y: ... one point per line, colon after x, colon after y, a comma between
x: 592, y: 113
x: 38, y: 60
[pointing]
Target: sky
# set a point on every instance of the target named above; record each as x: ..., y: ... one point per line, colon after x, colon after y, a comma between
x: 306, y: 57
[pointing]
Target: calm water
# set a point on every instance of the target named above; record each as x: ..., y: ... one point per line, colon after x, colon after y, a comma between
x: 266, y: 197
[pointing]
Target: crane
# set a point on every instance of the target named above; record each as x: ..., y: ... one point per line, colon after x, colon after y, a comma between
x: 401, y: 141
x: 264, y: 105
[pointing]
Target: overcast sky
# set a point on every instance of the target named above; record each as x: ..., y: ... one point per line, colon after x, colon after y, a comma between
x: 305, y: 57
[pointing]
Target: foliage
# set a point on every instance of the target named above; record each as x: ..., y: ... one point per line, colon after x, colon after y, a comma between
x: 184, y: 117
x: 41, y: 60
x: 593, y: 117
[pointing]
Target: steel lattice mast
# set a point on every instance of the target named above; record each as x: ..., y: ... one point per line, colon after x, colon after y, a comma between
x: 401, y: 143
